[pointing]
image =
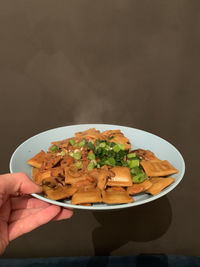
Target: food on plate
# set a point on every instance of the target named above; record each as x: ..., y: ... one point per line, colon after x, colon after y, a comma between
x: 99, y: 167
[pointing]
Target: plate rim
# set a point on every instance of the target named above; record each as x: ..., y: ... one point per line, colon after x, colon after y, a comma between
x: 107, y: 207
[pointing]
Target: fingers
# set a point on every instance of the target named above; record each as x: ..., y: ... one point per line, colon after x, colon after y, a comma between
x: 17, y: 184
x: 21, y: 214
x: 64, y: 214
x: 27, y: 202
x: 29, y: 223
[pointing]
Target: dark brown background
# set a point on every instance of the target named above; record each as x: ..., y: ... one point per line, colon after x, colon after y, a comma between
x: 133, y: 63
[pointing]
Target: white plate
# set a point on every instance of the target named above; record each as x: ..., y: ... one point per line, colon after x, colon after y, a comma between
x: 139, y: 139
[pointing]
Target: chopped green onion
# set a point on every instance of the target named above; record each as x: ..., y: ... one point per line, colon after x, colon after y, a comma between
x: 116, y: 148
x: 71, y: 154
x: 78, y: 164
x: 98, y: 165
x: 131, y: 155
x: 121, y: 146
x: 91, y: 156
x: 111, y: 137
x: 54, y: 148
x: 137, y: 170
x: 133, y: 163
x: 81, y: 144
x: 139, y: 178
x: 72, y: 142
x: 77, y: 155
x: 63, y: 153
x: 90, y: 146
x: 91, y: 165
x: 110, y: 161
x: 103, y: 144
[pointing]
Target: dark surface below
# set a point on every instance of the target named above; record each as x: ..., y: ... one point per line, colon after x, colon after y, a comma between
x: 132, y: 63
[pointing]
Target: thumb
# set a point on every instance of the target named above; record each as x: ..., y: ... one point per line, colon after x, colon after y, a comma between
x: 18, y: 183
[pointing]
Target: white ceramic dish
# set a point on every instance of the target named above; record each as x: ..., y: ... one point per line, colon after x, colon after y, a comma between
x: 139, y: 139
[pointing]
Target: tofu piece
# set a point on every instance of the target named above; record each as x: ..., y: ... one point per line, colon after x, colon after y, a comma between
x: 92, y: 195
x: 116, y: 197
x: 122, y: 177
x: 140, y: 187
x: 51, y: 160
x: 115, y: 188
x: 72, y: 180
x: 157, y: 168
x: 35, y: 171
x: 40, y: 176
x: 118, y: 137
x: 59, y: 192
x: 158, y: 184
x: 90, y: 134
x: 37, y: 160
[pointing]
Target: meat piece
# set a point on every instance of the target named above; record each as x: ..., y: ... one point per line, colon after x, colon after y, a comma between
x: 57, y: 172
x: 158, y: 184
x: 72, y: 180
x: 122, y: 177
x: 157, y: 168
x: 86, y: 196
x: 66, y: 161
x: 37, y: 160
x: 116, y: 197
x: 102, y: 177
x: 138, y: 188
x: 59, y: 192
x: 50, y: 182
x: 145, y: 154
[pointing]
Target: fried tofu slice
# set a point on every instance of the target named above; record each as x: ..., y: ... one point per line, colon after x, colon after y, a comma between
x: 138, y: 188
x: 37, y: 160
x: 117, y: 137
x: 92, y: 195
x: 116, y: 197
x: 35, y: 171
x: 51, y: 160
x: 59, y: 192
x: 157, y: 168
x: 122, y: 177
x: 90, y: 134
x: 69, y: 179
x: 115, y: 188
x: 41, y: 175
x: 158, y: 184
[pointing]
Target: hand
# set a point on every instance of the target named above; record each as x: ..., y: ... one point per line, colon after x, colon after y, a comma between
x: 20, y: 213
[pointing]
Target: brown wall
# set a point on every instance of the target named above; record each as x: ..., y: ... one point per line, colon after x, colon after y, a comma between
x: 133, y: 63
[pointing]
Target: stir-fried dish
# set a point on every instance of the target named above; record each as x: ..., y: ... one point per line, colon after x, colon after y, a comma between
x: 99, y: 167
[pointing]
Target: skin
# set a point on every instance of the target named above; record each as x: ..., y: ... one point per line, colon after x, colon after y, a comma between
x: 19, y: 212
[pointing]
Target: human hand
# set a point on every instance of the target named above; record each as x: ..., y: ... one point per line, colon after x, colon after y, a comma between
x: 20, y: 213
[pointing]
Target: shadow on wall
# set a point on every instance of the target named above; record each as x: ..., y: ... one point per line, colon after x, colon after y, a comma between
x: 141, y: 224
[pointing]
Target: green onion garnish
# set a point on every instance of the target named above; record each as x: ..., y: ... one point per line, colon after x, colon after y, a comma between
x: 54, y: 148
x: 131, y: 155
x: 72, y: 142
x: 91, y: 156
